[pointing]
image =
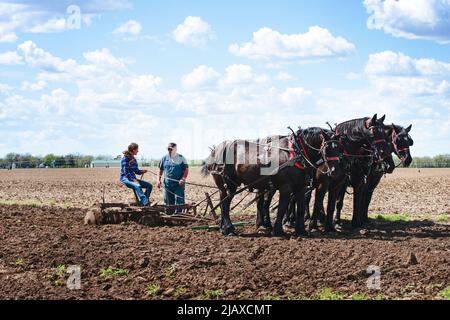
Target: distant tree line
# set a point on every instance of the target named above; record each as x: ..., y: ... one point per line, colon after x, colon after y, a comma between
x: 439, y: 161
x: 27, y: 161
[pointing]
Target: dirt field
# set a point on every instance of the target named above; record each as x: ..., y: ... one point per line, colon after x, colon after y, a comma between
x: 41, y: 234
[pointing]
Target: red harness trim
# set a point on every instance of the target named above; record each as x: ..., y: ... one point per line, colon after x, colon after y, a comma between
x: 333, y: 159
x: 379, y: 141
x: 292, y: 156
x: 300, y: 139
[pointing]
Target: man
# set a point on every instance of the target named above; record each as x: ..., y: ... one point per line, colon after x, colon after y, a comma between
x: 175, y: 169
x: 128, y: 171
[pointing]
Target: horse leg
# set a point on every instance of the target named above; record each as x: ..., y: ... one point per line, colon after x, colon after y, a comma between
x: 373, y: 183
x: 365, y: 206
x: 307, y: 202
x: 260, y: 210
x: 332, y: 195
x: 300, y: 217
x: 268, y: 196
x: 285, y: 195
x: 289, y: 217
x: 358, y: 197
x: 340, y: 196
x: 226, y: 225
x: 318, y: 204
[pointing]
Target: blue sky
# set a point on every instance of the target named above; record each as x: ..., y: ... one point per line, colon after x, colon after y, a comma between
x: 199, y: 72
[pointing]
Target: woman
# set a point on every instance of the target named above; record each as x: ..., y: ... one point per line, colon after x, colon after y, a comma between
x: 129, y: 169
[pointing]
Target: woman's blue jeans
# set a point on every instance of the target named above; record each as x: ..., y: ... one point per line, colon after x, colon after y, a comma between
x: 137, y: 187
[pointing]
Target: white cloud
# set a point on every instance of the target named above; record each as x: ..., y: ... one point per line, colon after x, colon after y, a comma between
x: 294, y: 96
x: 419, y: 19
x: 39, y: 85
x: 399, y: 73
x: 200, y: 77
x: 104, y: 57
x: 5, y: 88
x: 37, y: 57
x: 51, y: 26
x: 129, y: 28
x: 316, y: 43
x: 238, y: 74
x: 10, y: 58
x: 284, y: 76
x: 193, y: 31
x: 8, y: 37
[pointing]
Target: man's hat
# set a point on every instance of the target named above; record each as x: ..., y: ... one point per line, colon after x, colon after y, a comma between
x: 172, y: 145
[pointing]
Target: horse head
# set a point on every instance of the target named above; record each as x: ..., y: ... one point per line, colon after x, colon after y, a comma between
x: 331, y: 152
x: 379, y: 139
x: 401, y: 142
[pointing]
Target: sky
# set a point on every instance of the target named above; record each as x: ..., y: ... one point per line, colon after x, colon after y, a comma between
x: 92, y: 76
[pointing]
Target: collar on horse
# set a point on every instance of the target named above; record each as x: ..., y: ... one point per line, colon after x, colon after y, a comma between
x: 297, y: 148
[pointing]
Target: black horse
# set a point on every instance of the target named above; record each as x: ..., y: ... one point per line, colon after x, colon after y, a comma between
x: 319, y: 174
x: 364, y: 142
x: 400, y: 142
x: 283, y: 160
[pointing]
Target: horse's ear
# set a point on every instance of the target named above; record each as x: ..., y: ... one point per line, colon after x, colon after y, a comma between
x: 381, y: 120
x: 409, y: 128
x: 374, y: 120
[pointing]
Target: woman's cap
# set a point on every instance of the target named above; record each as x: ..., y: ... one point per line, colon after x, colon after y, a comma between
x: 172, y: 145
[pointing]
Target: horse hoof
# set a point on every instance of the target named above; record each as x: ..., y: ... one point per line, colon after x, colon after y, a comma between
x: 262, y: 230
x: 232, y: 234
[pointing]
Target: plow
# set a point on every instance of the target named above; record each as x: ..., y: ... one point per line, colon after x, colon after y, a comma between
x: 154, y: 215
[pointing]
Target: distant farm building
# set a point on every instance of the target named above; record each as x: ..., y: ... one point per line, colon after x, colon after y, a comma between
x: 105, y: 164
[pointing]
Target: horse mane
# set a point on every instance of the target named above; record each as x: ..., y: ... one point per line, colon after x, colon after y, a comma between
x: 312, y: 135
x: 354, y: 129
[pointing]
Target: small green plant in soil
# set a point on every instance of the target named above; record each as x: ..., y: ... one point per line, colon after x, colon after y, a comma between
x: 179, y: 292
x: 329, y: 294
x: 169, y: 272
x: 19, y: 262
x: 212, y: 294
x: 113, y: 272
x: 360, y: 296
x: 61, y: 270
x: 445, y: 294
x: 380, y: 296
x: 152, y: 289
x: 393, y: 217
